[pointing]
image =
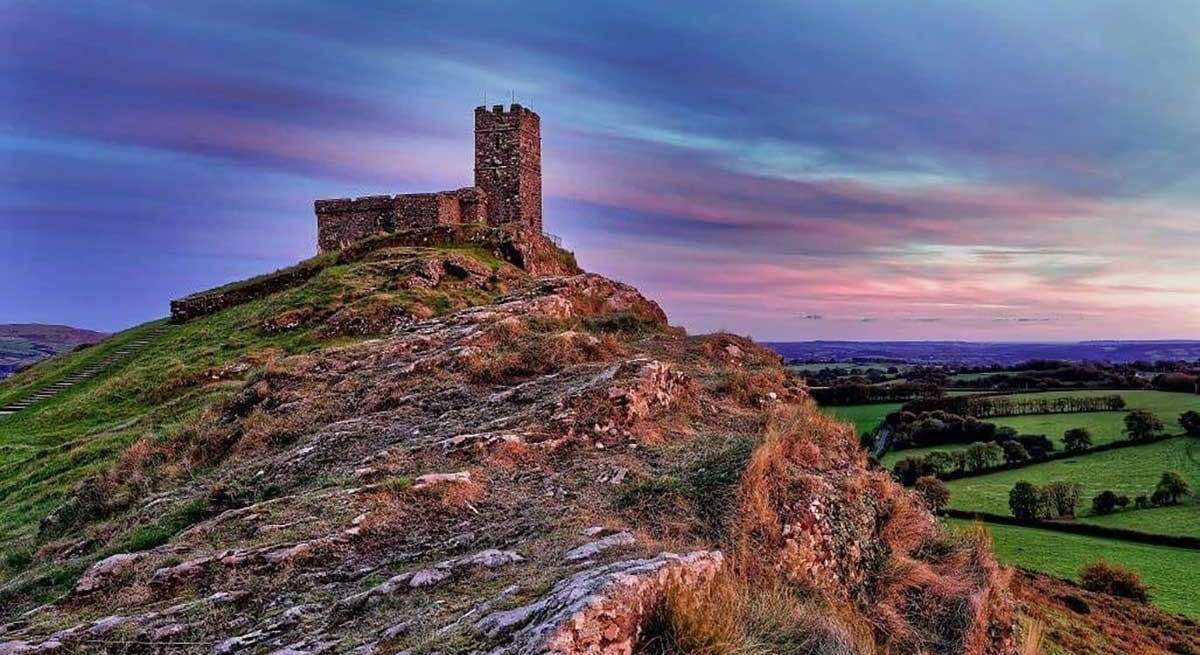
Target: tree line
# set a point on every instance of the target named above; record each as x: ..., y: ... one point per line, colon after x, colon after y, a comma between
x: 866, y: 394
x: 997, y: 406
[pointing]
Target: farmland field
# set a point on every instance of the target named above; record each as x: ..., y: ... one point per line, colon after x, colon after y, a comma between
x: 1128, y: 471
x: 1172, y: 573
x: 1104, y: 426
x: 864, y: 417
x: 1166, y: 404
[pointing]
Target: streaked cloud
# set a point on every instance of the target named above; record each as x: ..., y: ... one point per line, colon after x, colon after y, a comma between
x: 943, y: 170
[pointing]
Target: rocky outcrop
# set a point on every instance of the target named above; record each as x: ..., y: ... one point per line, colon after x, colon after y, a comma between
x: 599, y: 611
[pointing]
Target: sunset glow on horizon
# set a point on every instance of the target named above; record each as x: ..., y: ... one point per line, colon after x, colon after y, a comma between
x: 983, y: 171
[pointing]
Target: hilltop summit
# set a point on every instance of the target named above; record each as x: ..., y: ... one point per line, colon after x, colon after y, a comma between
x: 498, y: 448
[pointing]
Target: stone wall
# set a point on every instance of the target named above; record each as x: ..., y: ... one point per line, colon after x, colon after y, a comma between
x: 343, y: 221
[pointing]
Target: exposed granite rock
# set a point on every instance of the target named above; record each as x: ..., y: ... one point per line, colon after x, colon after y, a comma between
x: 598, y: 611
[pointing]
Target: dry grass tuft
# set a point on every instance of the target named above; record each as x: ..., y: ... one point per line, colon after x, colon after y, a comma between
x: 750, y: 389
x: 740, y: 611
x: 799, y: 441
x: 511, y: 350
x: 1113, y: 579
x: 1033, y: 632
x: 811, y: 513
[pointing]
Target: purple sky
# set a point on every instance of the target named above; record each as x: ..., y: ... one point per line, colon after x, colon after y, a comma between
x: 990, y: 170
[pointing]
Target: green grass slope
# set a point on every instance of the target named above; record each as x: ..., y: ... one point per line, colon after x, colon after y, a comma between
x: 49, y: 448
x: 1172, y: 573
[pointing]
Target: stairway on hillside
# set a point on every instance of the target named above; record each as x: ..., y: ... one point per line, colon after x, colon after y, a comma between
x: 88, y: 372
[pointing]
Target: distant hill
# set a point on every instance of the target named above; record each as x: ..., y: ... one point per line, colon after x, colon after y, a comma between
x: 984, y: 353
x: 22, y: 344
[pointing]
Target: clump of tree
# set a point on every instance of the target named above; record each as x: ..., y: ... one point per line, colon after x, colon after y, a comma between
x: 1039, y: 446
x: 935, y: 428
x: 1177, y: 381
x: 1077, y: 440
x: 1105, y: 578
x: 1024, y: 500
x: 910, y: 469
x: 1190, y: 422
x: 934, y: 492
x: 1142, y: 425
x: 1015, y: 452
x: 1056, y: 500
x: 1008, y: 448
x: 1107, y: 502
x: 1170, y: 488
x: 992, y: 406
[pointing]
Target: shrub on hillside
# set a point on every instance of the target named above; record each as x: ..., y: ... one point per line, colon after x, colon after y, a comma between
x: 1014, y: 452
x: 1024, y: 500
x: 1061, y: 498
x: 1190, y: 422
x: 982, y: 456
x: 909, y: 469
x: 1114, y: 580
x: 1141, y: 425
x: 934, y: 492
x: 1171, y: 486
x: 940, y: 461
x: 1105, y: 502
x: 1038, y: 445
x: 1053, y: 501
x: 936, y: 428
x: 1077, y: 439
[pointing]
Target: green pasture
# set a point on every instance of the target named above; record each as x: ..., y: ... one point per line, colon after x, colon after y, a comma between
x: 1127, y: 471
x: 1172, y: 573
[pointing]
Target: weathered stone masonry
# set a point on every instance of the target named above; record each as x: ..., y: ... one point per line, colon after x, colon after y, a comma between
x: 508, y: 188
x: 344, y: 221
x: 508, y: 164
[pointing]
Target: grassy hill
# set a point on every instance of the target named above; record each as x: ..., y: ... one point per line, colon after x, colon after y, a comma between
x: 430, y: 433
x: 49, y: 448
x: 23, y: 344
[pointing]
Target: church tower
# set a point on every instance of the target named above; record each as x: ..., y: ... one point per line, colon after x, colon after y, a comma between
x: 508, y: 164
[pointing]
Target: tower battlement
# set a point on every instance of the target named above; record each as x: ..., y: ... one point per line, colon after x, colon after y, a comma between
x: 508, y: 188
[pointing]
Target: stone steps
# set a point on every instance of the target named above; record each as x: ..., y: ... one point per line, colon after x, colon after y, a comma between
x: 86, y: 373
